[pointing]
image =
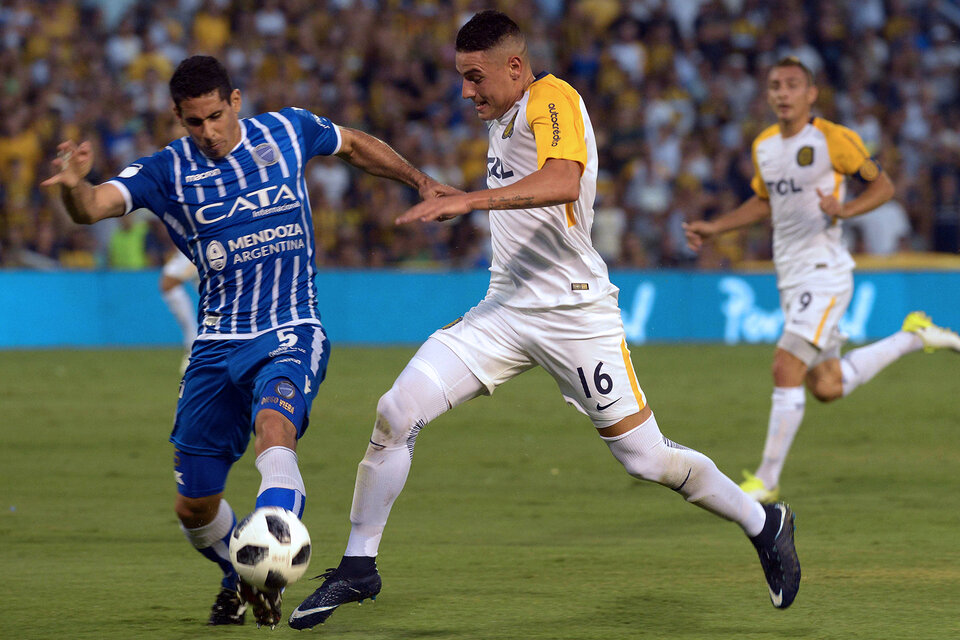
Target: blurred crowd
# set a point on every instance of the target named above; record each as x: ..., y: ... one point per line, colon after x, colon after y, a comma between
x: 675, y: 89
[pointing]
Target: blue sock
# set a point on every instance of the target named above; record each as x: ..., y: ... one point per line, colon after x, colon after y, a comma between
x: 289, y: 499
x: 281, y: 484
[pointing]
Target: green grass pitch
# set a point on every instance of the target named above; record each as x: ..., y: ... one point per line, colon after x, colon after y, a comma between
x: 516, y: 522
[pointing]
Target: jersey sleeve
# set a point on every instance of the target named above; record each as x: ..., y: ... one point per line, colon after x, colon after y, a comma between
x: 321, y: 137
x: 849, y: 155
x: 757, y: 184
x: 142, y: 183
x: 554, y: 116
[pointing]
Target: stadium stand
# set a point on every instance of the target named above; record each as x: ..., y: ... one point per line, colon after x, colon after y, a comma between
x: 676, y: 90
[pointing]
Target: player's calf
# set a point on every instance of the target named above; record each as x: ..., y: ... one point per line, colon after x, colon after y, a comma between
x: 646, y: 454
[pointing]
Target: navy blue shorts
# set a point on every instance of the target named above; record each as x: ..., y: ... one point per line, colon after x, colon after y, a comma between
x: 226, y: 380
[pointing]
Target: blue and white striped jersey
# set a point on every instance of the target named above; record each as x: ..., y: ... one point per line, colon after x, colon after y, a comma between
x: 244, y: 220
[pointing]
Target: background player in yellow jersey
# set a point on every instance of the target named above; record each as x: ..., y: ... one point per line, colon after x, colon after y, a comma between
x: 550, y: 304
x: 801, y: 164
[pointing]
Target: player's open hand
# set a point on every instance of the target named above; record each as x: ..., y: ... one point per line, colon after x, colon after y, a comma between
x: 697, y: 232
x: 73, y: 163
x: 441, y: 209
x: 830, y: 205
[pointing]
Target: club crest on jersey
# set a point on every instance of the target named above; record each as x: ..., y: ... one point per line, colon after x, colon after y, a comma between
x: 266, y: 154
x: 805, y: 156
x: 216, y: 256
x: 509, y: 130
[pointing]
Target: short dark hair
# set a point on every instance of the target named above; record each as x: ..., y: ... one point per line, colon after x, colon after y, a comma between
x: 197, y: 76
x: 486, y: 30
x: 794, y: 61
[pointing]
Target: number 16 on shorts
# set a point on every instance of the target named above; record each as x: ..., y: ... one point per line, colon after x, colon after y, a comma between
x: 608, y: 391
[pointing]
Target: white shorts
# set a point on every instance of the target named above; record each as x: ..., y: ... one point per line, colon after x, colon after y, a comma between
x: 179, y: 267
x: 583, y: 348
x: 814, y: 312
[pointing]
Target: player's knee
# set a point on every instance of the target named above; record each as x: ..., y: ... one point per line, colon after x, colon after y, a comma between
x: 825, y: 382
x: 645, y: 467
x: 397, y: 413
x: 196, y: 512
x: 791, y: 361
x: 782, y: 372
x: 825, y: 390
x: 642, y: 463
x: 646, y: 454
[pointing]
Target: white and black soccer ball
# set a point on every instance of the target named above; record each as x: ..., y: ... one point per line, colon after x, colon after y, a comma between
x: 270, y: 548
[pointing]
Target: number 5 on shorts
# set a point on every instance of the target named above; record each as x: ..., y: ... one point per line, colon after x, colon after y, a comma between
x: 287, y: 337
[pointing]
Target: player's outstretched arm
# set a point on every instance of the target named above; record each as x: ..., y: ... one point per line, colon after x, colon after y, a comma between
x: 557, y: 182
x: 876, y: 193
x: 84, y: 202
x: 378, y: 158
x: 752, y: 211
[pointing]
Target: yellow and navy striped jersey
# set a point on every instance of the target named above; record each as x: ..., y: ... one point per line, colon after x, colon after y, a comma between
x: 788, y: 172
x: 543, y: 257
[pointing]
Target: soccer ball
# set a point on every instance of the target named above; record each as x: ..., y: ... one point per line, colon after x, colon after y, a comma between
x: 270, y: 548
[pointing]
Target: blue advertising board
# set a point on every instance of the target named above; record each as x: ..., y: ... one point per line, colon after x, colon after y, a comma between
x: 110, y: 308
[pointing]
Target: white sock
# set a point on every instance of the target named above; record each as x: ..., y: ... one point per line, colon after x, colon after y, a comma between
x: 180, y: 305
x: 786, y: 414
x: 281, y: 484
x: 434, y: 381
x: 213, y: 540
x: 646, y: 454
x: 380, y: 479
x: 859, y: 366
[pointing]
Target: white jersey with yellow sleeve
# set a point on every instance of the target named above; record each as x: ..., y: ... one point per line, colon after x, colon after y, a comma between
x: 807, y: 245
x: 543, y: 257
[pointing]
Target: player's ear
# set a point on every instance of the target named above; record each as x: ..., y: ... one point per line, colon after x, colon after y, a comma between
x: 516, y: 66
x: 812, y: 93
x: 235, y: 100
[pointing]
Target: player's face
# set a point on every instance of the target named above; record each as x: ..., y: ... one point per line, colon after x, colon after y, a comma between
x: 212, y: 122
x: 790, y: 94
x: 490, y: 80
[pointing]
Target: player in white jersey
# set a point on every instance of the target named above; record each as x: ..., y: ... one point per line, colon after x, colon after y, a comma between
x: 176, y: 272
x: 801, y: 164
x: 550, y: 304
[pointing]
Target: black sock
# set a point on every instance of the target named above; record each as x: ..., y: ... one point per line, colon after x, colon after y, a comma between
x: 355, y: 566
x: 770, y: 526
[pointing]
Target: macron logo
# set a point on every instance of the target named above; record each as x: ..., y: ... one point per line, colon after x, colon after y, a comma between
x: 201, y: 176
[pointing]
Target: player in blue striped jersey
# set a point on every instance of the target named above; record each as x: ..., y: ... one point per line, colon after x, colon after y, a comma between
x: 233, y: 196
